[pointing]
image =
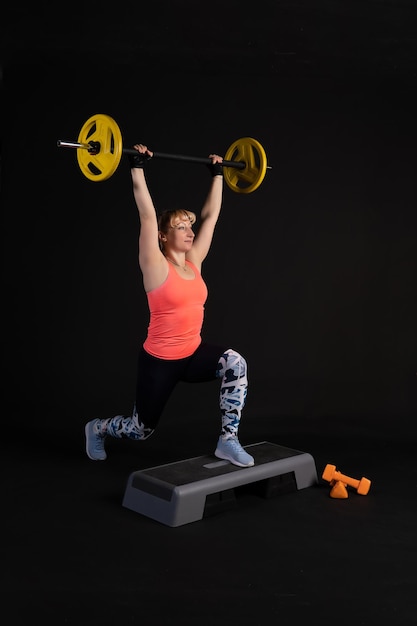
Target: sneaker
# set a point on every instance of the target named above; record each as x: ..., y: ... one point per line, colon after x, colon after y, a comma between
x: 231, y: 450
x: 94, y: 443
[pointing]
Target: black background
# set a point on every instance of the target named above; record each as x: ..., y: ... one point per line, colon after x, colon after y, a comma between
x: 312, y: 277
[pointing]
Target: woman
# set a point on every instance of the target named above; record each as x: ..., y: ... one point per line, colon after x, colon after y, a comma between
x: 170, y: 258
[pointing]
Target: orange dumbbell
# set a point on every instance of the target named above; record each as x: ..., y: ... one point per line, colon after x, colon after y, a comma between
x: 330, y: 474
x: 338, y: 489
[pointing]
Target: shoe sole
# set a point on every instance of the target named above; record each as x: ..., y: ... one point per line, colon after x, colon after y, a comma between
x: 224, y: 457
x: 93, y: 458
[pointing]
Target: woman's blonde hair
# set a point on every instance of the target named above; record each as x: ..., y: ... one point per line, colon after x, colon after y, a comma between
x: 167, y: 218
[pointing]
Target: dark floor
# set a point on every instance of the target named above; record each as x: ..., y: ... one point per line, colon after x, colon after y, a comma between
x: 73, y: 555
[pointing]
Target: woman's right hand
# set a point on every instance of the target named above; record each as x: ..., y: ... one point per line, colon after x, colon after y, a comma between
x: 139, y: 160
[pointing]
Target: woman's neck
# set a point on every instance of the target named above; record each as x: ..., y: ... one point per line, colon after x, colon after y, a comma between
x: 183, y: 267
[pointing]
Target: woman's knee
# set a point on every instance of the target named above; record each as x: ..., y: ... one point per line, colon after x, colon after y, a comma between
x: 232, y: 363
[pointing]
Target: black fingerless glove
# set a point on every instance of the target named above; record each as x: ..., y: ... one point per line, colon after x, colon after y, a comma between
x: 216, y: 169
x: 138, y: 160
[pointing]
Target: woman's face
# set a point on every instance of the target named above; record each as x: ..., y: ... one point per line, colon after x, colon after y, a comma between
x: 180, y: 235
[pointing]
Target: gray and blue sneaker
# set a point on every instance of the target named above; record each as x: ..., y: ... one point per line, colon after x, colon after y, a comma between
x: 94, y: 442
x: 231, y: 450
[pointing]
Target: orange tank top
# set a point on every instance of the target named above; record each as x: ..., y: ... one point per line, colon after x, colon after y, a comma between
x: 176, y: 315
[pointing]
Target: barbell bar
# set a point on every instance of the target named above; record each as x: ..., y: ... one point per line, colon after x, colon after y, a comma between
x: 100, y: 149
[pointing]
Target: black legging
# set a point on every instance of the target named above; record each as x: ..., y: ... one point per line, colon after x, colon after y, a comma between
x: 157, y: 378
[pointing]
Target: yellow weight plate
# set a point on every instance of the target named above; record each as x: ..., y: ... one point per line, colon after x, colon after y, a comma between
x: 252, y: 153
x: 104, y: 130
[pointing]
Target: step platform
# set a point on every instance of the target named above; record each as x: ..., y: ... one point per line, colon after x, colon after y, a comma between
x: 186, y: 491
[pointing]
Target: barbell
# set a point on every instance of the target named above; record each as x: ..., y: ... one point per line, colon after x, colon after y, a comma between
x: 100, y: 149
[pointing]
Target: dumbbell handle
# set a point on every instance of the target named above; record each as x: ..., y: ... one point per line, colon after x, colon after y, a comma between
x: 362, y: 486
